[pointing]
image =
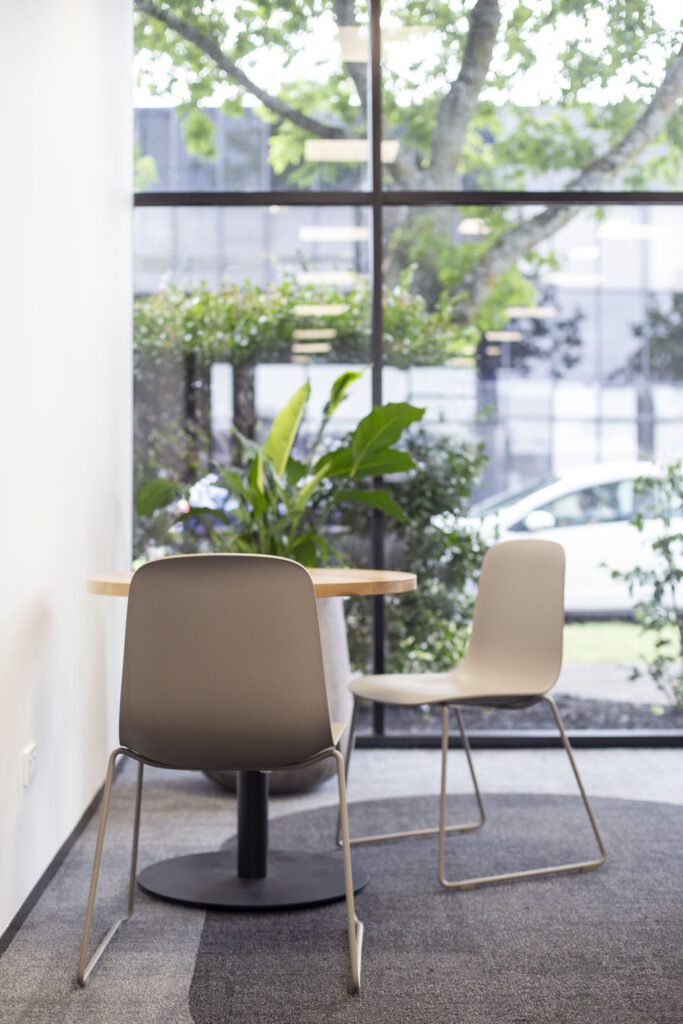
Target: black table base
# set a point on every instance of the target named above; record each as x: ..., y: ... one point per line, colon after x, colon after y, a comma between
x: 276, y: 881
x: 294, y: 880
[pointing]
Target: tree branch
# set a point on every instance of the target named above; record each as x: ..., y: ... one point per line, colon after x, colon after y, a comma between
x: 596, y: 176
x: 459, y: 103
x: 345, y: 16
x: 212, y: 48
x: 403, y: 169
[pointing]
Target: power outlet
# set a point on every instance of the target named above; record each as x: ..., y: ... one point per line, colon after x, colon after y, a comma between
x: 29, y: 763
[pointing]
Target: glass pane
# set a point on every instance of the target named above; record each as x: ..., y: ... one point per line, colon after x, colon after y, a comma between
x: 235, y: 311
x: 537, y: 96
x: 239, y: 97
x: 563, y: 359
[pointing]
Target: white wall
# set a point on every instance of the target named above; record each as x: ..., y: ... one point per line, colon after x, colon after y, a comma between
x: 65, y: 411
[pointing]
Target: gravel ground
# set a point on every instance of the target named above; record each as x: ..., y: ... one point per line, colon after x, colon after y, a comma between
x: 577, y: 713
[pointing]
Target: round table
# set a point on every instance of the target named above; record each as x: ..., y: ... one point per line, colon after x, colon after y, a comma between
x: 262, y: 879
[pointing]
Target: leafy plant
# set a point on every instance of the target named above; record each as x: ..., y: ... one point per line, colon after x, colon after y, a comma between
x: 659, y: 585
x: 279, y: 504
x: 427, y: 630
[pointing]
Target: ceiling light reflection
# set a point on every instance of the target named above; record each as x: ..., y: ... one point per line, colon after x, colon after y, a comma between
x: 311, y: 348
x: 320, y: 309
x: 336, y: 277
x: 334, y: 233
x: 531, y: 312
x: 314, y: 333
x: 347, y: 151
x: 473, y: 226
x: 508, y: 336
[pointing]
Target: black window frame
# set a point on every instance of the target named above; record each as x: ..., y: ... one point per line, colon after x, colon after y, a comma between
x: 376, y: 199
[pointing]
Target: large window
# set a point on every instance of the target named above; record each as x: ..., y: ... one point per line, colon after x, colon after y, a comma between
x: 479, y: 202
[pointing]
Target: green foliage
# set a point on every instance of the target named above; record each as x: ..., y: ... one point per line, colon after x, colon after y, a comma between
x: 584, y: 48
x: 155, y: 494
x: 145, y: 171
x: 278, y: 446
x: 565, y: 84
x: 244, y: 324
x: 280, y: 505
x: 437, y: 265
x: 659, y: 584
x: 661, y: 348
x: 199, y: 133
x: 427, y: 630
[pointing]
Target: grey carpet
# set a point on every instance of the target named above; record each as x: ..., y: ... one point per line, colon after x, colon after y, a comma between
x: 602, y: 948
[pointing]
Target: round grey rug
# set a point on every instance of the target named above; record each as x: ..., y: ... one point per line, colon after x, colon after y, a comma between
x: 598, y: 948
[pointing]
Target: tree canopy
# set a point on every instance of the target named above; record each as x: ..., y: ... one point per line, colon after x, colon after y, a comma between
x: 495, y: 94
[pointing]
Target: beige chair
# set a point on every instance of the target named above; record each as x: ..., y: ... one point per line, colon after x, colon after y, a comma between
x: 513, y: 659
x: 222, y: 670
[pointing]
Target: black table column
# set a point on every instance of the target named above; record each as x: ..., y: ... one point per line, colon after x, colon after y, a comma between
x: 283, y: 880
x: 252, y: 824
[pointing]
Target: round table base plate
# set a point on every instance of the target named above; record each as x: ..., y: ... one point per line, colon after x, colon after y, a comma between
x: 210, y: 880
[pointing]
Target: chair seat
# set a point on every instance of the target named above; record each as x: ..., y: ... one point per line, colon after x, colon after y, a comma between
x: 406, y: 688
x: 457, y: 686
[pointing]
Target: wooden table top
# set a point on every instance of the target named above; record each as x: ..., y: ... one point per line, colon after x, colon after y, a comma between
x: 326, y: 582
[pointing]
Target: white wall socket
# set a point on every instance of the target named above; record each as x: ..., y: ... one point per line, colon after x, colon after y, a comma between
x: 29, y: 763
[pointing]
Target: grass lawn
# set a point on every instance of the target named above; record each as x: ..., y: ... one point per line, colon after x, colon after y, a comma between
x: 608, y: 641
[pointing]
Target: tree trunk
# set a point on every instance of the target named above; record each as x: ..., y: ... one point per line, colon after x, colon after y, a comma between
x: 646, y: 422
x: 486, y: 425
x: 243, y: 405
x: 197, y: 417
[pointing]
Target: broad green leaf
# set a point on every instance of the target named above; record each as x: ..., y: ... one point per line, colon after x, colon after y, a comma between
x: 384, y: 462
x: 304, y: 551
x: 155, y: 494
x: 255, y: 475
x: 233, y: 482
x: 284, y: 429
x: 339, y: 391
x: 199, y: 512
x: 249, y: 447
x: 382, y: 428
x: 337, y: 463
x: 295, y: 470
x: 309, y: 548
x: 308, y: 489
x: 374, y: 499
x: 377, y: 463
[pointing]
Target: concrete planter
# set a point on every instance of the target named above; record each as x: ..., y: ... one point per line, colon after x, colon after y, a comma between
x: 337, y: 675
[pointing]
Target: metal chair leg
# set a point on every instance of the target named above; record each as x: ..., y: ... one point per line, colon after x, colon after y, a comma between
x: 355, y: 927
x: 85, y: 965
x: 470, y: 826
x: 347, y: 762
x: 586, y: 865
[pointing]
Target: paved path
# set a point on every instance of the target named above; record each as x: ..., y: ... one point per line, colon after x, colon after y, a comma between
x: 606, y: 680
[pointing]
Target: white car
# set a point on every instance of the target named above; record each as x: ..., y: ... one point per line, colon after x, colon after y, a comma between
x: 588, y: 511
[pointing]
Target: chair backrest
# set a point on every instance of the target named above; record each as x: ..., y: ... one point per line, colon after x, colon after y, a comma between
x: 516, y: 642
x: 222, y: 664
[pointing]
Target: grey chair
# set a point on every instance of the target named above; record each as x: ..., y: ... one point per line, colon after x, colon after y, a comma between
x: 513, y: 659
x: 222, y: 670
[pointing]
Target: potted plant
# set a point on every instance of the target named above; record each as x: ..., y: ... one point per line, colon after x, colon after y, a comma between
x: 281, y: 503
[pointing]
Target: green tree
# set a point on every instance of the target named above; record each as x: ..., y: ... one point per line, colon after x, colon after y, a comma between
x: 607, y: 108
